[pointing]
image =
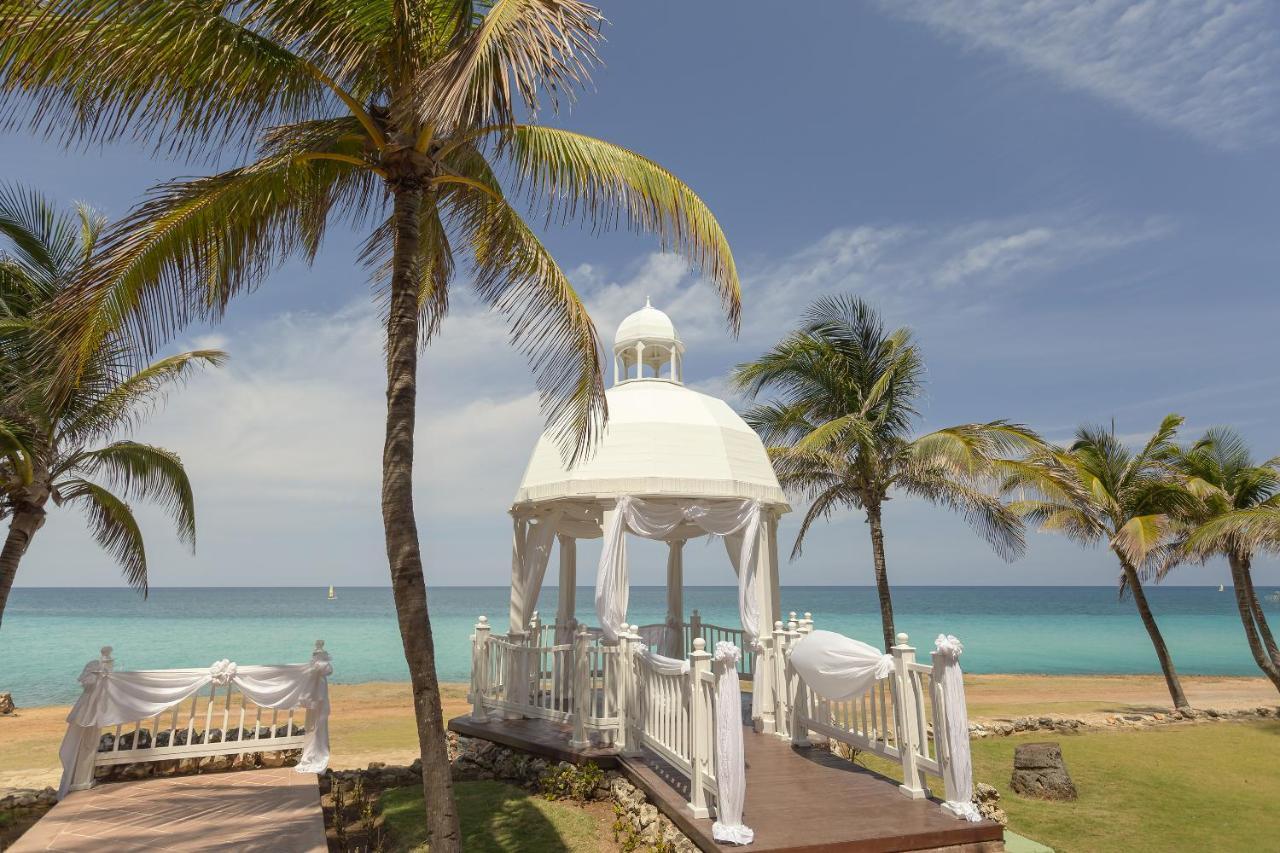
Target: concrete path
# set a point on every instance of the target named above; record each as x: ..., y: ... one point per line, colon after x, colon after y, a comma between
x: 276, y: 810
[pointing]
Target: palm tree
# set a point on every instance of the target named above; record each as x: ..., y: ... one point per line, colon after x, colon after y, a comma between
x: 54, y: 442
x: 1233, y: 491
x: 839, y: 432
x: 399, y: 117
x: 1098, y: 489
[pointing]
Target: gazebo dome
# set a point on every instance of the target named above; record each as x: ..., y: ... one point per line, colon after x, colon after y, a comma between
x: 649, y: 325
x: 662, y: 439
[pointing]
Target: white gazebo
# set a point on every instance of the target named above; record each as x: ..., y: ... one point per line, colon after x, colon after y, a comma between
x: 673, y: 464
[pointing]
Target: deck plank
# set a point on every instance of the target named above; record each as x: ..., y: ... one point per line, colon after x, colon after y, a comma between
x: 798, y: 800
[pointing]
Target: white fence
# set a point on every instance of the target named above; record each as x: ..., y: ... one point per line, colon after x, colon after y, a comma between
x: 901, y: 718
x: 627, y: 699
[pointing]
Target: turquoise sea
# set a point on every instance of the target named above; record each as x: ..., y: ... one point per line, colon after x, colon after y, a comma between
x: 48, y: 634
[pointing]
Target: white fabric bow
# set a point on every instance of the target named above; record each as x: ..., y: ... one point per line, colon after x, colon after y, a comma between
x: 726, y: 652
x: 948, y: 645
x: 222, y: 671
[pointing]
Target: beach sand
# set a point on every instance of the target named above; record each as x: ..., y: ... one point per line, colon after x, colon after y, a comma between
x: 374, y: 722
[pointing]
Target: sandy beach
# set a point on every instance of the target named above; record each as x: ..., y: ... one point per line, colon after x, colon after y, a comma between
x: 374, y: 721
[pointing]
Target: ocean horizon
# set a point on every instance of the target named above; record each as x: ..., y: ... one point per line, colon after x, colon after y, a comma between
x: 49, y: 633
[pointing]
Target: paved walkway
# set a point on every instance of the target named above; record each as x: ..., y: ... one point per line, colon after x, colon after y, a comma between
x: 276, y: 810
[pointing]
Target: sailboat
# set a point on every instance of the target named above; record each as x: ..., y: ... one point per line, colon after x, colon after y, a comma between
x: 1220, y: 589
x: 331, y: 595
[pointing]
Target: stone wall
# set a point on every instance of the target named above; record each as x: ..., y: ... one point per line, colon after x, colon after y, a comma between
x: 1066, y: 725
x: 27, y: 799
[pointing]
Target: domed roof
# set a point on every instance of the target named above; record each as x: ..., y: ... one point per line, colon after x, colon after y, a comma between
x: 662, y: 439
x: 647, y: 324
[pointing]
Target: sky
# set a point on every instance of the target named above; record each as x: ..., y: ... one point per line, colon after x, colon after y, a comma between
x: 1074, y: 208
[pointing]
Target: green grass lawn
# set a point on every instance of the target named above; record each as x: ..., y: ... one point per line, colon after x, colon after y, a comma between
x: 501, y: 818
x: 1196, y: 787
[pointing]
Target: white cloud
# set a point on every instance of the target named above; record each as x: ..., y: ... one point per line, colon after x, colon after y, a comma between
x: 1208, y: 67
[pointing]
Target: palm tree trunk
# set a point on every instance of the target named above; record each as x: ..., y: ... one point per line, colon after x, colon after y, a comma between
x: 1157, y: 639
x: 22, y: 529
x: 882, y: 575
x: 1259, y: 618
x: 1242, y: 587
x: 403, y: 552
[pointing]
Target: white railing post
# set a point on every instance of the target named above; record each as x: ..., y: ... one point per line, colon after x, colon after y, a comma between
x: 782, y: 708
x: 581, y: 688
x: 516, y: 671
x: 700, y: 716
x: 622, y: 688
x: 797, y: 692
x: 908, y: 735
x: 480, y: 670
x: 806, y: 624
x: 941, y: 736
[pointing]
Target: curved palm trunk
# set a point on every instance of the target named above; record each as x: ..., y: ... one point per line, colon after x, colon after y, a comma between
x: 22, y: 529
x: 1243, y: 586
x: 882, y: 575
x: 1259, y: 617
x: 403, y: 552
x: 1157, y: 639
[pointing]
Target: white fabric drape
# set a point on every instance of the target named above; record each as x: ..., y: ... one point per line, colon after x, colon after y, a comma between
x: 731, y: 771
x: 663, y: 520
x: 114, y: 698
x: 661, y: 664
x: 530, y: 553
x: 837, y: 667
x: 959, y: 769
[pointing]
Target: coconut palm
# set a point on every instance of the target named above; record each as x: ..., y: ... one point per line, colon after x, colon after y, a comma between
x: 58, y: 447
x: 406, y: 119
x: 1235, y: 493
x: 1099, y: 490
x: 839, y: 432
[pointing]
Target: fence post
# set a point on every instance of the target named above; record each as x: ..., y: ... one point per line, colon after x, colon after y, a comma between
x: 695, y: 627
x: 480, y: 670
x: 908, y: 735
x: 621, y: 688
x: 630, y: 710
x: 781, y: 705
x: 581, y: 689
x: 797, y: 692
x: 806, y: 624
x: 700, y: 719
x: 517, y: 674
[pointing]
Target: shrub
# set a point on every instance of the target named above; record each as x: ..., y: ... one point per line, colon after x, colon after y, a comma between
x: 570, y: 782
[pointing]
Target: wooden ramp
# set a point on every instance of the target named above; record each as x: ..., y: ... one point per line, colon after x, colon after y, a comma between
x: 247, y: 810
x: 798, y: 800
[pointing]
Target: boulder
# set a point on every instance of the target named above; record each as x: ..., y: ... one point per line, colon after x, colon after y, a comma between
x: 987, y: 799
x: 6, y: 704
x: 1039, y: 771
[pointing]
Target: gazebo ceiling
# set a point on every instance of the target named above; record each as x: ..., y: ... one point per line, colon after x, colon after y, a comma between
x: 662, y: 440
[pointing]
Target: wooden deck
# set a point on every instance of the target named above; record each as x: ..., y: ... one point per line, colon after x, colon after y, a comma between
x: 798, y: 800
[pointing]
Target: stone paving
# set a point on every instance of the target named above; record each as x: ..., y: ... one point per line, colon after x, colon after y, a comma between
x: 276, y: 810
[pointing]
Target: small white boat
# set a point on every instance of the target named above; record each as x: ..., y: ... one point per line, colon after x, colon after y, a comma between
x: 331, y: 590
x: 331, y: 595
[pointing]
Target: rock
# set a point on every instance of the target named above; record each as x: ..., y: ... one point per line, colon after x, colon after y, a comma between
x: 1039, y: 771
x: 6, y: 704
x: 987, y: 799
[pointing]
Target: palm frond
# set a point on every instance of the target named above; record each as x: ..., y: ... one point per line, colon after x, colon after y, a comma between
x: 522, y: 49
x: 572, y: 173
x: 146, y: 472
x: 516, y: 275
x: 113, y: 527
x: 124, y: 402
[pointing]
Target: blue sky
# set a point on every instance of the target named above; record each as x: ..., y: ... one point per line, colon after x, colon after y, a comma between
x: 1074, y: 208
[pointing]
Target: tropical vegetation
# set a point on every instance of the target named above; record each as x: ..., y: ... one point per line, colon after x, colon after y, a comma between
x: 404, y: 120
x: 1099, y: 489
x: 838, y: 427
x: 1238, y: 514
x: 65, y: 447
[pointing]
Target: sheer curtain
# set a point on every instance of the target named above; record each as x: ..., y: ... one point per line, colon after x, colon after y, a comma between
x: 530, y: 553
x: 731, y: 767
x: 959, y: 769
x: 736, y: 520
x: 112, y: 698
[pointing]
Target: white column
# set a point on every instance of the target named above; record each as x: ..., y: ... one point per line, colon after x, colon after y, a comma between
x: 675, y: 599
x: 763, y: 701
x: 568, y: 589
x: 673, y: 364
x: 639, y: 359
x: 615, y: 368
x: 520, y: 527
